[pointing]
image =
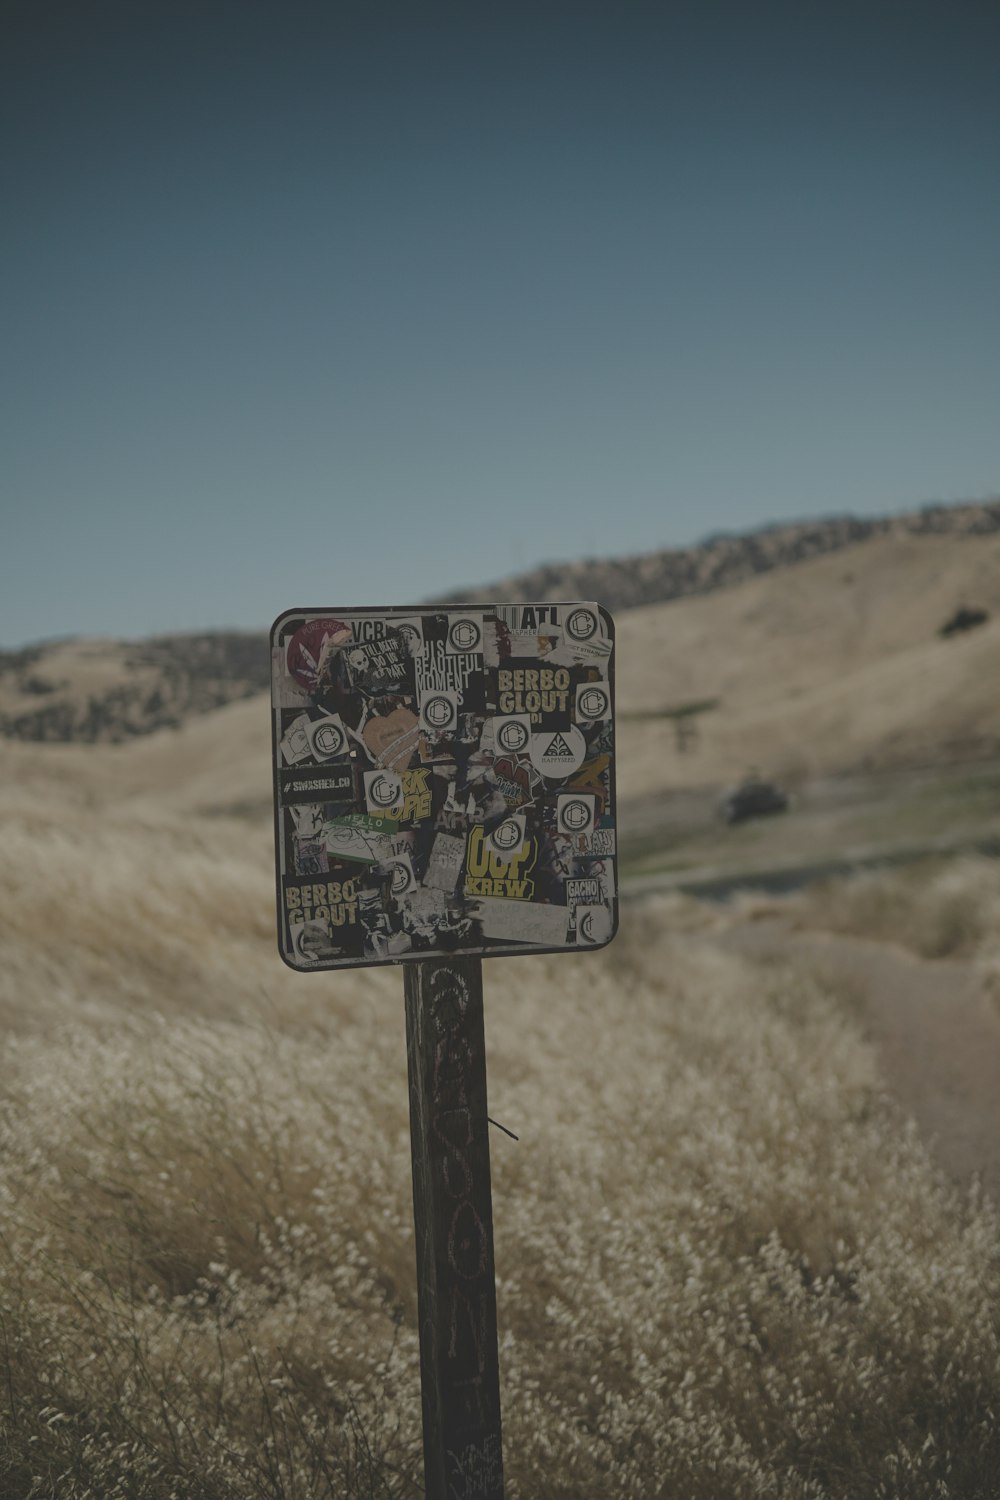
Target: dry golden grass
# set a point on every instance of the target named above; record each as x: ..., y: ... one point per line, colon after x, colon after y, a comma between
x: 726, y: 1266
x: 827, y: 665
x: 948, y: 910
x: 938, y: 908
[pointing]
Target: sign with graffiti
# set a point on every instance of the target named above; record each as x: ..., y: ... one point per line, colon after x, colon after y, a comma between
x: 443, y: 782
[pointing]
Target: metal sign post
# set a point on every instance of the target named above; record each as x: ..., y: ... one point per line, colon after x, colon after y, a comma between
x: 444, y: 791
x: 453, y: 1217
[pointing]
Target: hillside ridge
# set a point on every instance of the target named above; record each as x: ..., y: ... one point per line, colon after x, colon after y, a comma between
x: 725, y: 558
x: 105, y: 691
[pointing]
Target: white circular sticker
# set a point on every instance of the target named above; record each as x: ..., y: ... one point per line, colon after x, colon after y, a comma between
x: 439, y: 711
x: 328, y: 738
x: 508, y: 835
x: 512, y: 734
x: 558, y: 752
x: 464, y: 634
x: 577, y: 815
x: 581, y: 623
x: 592, y: 702
x: 383, y: 789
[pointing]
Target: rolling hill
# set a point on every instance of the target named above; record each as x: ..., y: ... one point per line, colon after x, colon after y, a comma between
x: 112, y: 691
x: 829, y: 666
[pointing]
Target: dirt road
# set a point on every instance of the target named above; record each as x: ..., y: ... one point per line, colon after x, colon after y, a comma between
x: 936, y: 1034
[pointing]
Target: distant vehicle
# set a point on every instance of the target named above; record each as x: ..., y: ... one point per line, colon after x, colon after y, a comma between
x: 964, y: 618
x: 753, y: 798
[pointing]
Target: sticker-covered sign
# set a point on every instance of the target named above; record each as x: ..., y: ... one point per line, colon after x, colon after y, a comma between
x: 443, y: 782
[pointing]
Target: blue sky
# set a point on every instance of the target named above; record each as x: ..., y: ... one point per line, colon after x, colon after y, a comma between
x: 323, y: 303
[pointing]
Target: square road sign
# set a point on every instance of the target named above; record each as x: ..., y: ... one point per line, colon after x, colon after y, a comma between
x: 444, y: 782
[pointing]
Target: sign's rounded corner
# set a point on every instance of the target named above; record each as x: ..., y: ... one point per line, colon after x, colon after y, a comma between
x: 290, y: 963
x: 604, y: 942
x: 286, y: 614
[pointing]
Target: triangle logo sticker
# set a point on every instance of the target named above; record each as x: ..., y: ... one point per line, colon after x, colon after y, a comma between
x: 558, y: 746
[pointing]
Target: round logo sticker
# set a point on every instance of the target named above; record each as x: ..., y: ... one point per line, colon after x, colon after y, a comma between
x: 513, y: 736
x: 383, y: 790
x: 329, y: 739
x: 400, y: 878
x: 575, y: 814
x: 438, y: 712
x: 585, y: 926
x: 508, y: 835
x: 593, y: 703
x: 581, y: 624
x: 558, y: 753
x: 464, y: 635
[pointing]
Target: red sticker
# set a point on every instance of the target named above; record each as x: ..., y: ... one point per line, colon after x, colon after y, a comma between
x: 311, y: 646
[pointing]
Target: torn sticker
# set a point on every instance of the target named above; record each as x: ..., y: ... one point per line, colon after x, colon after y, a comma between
x: 402, y: 880
x: 521, y: 922
x: 508, y: 836
x: 294, y: 744
x: 538, y: 644
x: 312, y: 942
x: 310, y: 649
x: 425, y: 905
x: 574, y: 653
x: 593, y: 924
x: 411, y: 628
x: 445, y: 864
x: 307, y: 819
x: 311, y: 857
x: 513, y: 779
x: 356, y: 837
x: 285, y: 691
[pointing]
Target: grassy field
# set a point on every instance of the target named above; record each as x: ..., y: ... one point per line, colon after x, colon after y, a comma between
x: 726, y: 1265
x: 845, y: 817
x: 934, y: 908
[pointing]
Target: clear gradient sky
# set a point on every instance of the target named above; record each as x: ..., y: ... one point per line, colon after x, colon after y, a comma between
x: 347, y: 303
